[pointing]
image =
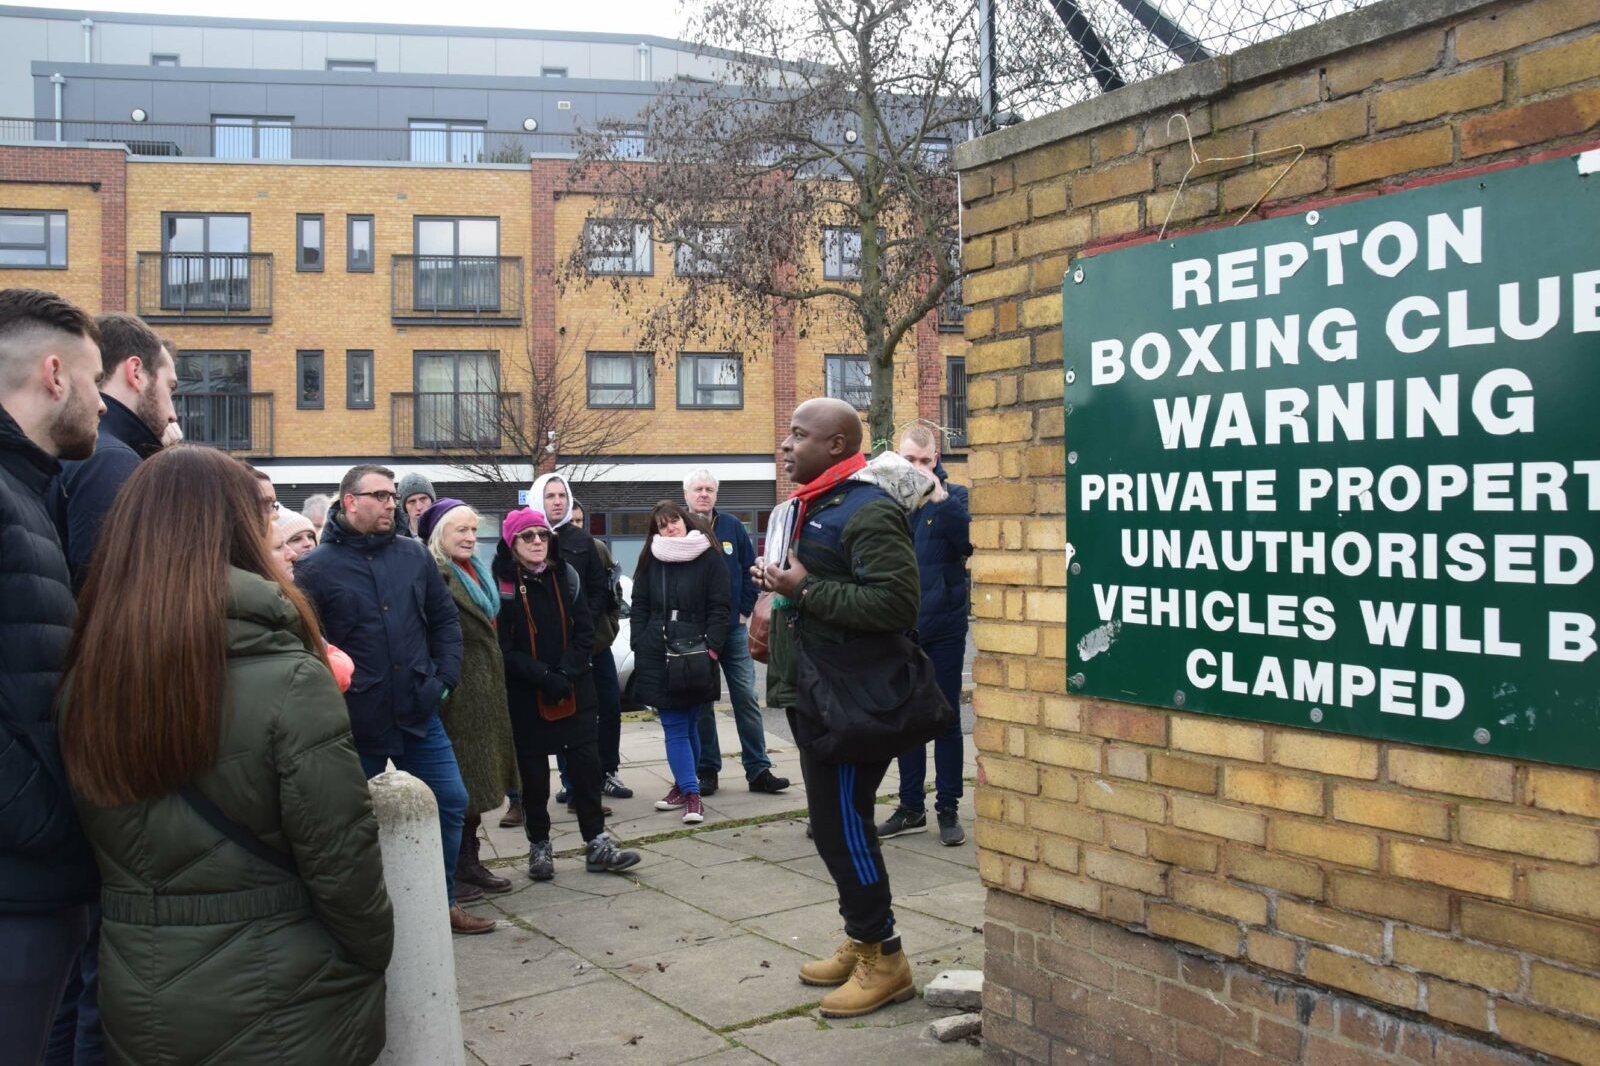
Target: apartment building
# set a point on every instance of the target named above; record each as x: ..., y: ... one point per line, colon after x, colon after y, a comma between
x: 354, y: 236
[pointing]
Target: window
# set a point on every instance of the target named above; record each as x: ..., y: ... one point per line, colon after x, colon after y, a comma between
x: 710, y: 380
x: 841, y: 253
x: 621, y: 247
x: 622, y: 379
x: 704, y: 252
x: 213, y: 398
x: 358, y: 379
x: 358, y: 257
x: 33, y: 239
x: 163, y: 59
x: 308, y: 381
x: 358, y: 66
x: 628, y: 144
x: 457, y: 399
x: 552, y: 72
x: 250, y: 137
x: 955, y: 402
x: 849, y: 378
x: 936, y: 153
x: 434, y: 141
x: 205, y: 262
x: 457, y: 265
x: 308, y: 242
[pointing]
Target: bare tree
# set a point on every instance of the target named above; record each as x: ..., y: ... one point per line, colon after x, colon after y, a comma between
x: 809, y: 179
x: 542, y: 420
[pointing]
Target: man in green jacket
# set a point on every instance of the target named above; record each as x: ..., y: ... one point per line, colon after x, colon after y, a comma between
x: 841, y: 564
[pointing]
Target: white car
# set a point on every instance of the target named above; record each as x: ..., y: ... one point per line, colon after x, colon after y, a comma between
x: 622, y: 650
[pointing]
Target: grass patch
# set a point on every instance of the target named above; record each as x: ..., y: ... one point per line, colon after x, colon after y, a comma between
x: 799, y: 1011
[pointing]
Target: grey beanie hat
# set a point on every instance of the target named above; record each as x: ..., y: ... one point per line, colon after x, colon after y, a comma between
x: 412, y: 484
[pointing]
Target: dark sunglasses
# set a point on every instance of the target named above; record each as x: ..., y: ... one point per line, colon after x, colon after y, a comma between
x: 528, y: 536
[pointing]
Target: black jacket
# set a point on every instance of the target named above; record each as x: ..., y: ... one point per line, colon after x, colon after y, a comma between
x: 942, y: 535
x: 550, y: 596
x: 577, y: 549
x: 82, y: 496
x: 45, y: 862
x: 698, y: 591
x: 383, y: 602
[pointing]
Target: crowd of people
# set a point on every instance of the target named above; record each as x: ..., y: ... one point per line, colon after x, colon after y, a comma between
x: 189, y: 863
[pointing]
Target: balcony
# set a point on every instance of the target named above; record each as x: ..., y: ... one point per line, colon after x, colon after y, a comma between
x: 237, y: 422
x: 466, y: 290
x: 201, y: 287
x: 442, y: 422
x: 953, y: 417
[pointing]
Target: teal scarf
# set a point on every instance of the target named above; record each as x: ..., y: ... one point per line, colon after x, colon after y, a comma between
x: 480, y: 587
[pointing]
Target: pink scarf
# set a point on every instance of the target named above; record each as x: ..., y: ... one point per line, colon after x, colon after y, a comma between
x: 679, y: 549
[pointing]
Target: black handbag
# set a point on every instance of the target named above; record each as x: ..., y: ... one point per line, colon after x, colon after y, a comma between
x: 866, y: 700
x: 692, y: 675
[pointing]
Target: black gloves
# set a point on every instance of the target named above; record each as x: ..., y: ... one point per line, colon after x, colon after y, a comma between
x: 574, y: 663
x: 555, y: 685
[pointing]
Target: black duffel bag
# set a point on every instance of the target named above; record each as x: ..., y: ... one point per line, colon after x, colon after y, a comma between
x: 692, y: 677
x: 866, y: 700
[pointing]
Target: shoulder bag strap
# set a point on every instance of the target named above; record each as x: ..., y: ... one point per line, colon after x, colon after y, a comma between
x: 533, y: 630
x: 206, y: 808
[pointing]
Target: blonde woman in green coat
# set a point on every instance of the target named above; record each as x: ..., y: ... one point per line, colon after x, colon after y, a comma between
x: 475, y: 715
x: 209, y: 752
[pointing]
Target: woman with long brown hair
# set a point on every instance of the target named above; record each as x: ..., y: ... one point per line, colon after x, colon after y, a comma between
x: 245, y: 914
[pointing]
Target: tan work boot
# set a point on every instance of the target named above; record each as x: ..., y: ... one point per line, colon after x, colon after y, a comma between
x: 882, y: 975
x: 466, y: 924
x: 831, y: 971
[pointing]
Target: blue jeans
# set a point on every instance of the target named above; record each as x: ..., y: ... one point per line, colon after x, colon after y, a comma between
x: 947, y: 658
x: 37, y: 954
x: 683, y: 745
x: 432, y: 760
x: 76, y: 1039
x: 740, y: 670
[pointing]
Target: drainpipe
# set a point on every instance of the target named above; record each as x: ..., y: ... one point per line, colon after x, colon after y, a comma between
x: 88, y: 40
x: 58, y: 81
x: 644, y: 61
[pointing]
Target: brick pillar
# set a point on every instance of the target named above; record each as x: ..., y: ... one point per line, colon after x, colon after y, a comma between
x: 548, y: 178
x: 930, y: 368
x: 106, y: 171
x: 783, y: 387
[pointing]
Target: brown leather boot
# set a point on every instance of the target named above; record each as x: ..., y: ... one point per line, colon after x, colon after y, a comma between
x: 882, y: 976
x: 835, y: 970
x: 514, y: 817
x: 470, y: 868
x: 465, y: 924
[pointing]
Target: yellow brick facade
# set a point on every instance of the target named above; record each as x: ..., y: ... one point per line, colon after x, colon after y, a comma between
x: 80, y: 281
x: 1456, y: 889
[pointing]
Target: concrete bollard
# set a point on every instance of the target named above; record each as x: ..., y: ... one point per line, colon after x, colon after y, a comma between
x: 424, y: 1013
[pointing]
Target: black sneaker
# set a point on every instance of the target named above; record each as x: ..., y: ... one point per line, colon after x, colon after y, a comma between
x: 563, y: 796
x: 604, y: 857
x: 950, y: 831
x: 708, y: 783
x: 541, y: 863
x: 902, y: 821
x: 767, y: 781
x: 614, y: 788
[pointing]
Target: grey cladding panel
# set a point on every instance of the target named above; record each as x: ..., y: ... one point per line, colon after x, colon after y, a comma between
x: 424, y: 55
x: 460, y: 103
x: 518, y: 58
x: 238, y: 98
x: 21, y: 41
x: 397, y: 107
x: 507, y: 109
x: 574, y: 55
x: 114, y: 99
x: 120, y: 42
x: 353, y: 46
x: 276, y: 49
x: 225, y: 48
x: 178, y: 102
x: 625, y: 106
x: 618, y: 62
x: 304, y: 102
x: 353, y: 105
x: 313, y: 50
x: 386, y: 51
x: 185, y: 42
x: 471, y: 55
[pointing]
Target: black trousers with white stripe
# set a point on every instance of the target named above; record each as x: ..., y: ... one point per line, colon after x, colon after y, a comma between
x: 841, y: 796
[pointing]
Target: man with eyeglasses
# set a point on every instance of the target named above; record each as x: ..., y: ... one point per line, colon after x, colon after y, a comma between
x: 406, y: 645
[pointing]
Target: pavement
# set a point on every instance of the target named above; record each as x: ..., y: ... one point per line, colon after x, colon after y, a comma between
x: 692, y: 955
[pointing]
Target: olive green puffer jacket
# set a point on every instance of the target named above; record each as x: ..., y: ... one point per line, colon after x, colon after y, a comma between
x: 211, y: 955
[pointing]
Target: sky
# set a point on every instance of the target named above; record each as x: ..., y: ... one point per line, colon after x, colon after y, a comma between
x: 661, y: 18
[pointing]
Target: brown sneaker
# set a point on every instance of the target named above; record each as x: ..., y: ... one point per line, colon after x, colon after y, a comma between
x: 831, y: 971
x: 882, y: 976
x: 466, y: 924
x: 514, y: 817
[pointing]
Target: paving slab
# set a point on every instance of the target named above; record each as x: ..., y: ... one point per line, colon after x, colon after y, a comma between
x: 776, y: 841
x: 741, y: 889
x: 910, y: 872
x: 817, y: 930
x: 693, y: 851
x: 802, y: 1042
x: 614, y: 931
x: 726, y: 982
x: 603, y: 1021
x: 960, y: 902
x: 512, y: 963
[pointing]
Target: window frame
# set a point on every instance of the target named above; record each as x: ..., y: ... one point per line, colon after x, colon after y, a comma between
x: 352, y: 358
x: 218, y: 400
x: 48, y: 216
x: 350, y: 66
x: 350, y: 264
x: 692, y: 359
x: 302, y: 264
x: 840, y: 272
x: 839, y: 363
x: 255, y: 124
x: 645, y: 359
x: 459, y: 284
x: 305, y: 359
x: 418, y: 356
x: 209, y: 257
x: 156, y: 59
x: 645, y: 242
x: 952, y: 438
x: 702, y: 267
x: 449, y: 128
x: 553, y: 72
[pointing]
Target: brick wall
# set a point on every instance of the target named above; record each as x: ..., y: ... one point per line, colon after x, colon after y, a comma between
x: 1168, y: 887
x: 91, y: 185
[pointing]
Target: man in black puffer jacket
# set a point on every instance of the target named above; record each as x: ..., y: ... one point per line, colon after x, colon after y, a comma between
x: 49, y: 410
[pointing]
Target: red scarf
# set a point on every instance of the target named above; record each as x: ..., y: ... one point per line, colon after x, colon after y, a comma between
x: 828, y: 479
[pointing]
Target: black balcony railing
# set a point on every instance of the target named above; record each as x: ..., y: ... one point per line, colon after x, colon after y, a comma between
x: 204, y: 286
x: 952, y: 311
x: 453, y: 421
x: 232, y: 421
x: 471, y: 289
x: 205, y: 140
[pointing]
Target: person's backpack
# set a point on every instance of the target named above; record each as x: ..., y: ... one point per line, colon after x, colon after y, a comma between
x: 617, y: 604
